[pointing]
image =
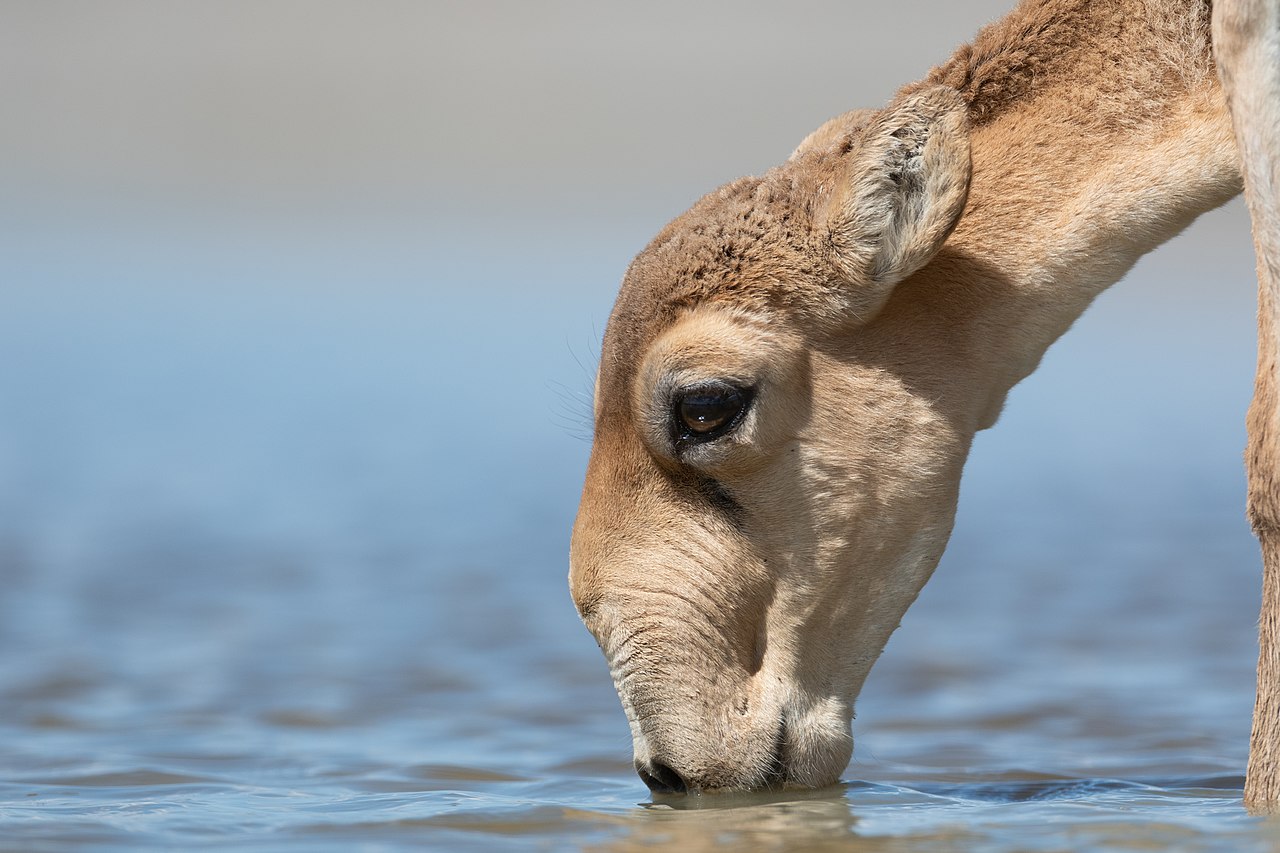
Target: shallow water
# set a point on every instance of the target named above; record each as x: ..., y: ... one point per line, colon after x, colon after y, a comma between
x: 283, y: 526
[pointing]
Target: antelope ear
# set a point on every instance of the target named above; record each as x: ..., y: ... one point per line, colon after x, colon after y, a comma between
x: 899, y: 193
x: 835, y: 132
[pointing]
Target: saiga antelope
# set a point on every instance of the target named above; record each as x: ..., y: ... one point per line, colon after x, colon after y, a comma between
x: 795, y: 368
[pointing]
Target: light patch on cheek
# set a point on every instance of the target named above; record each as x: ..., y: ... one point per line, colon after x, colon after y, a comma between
x: 903, y: 580
x: 918, y: 562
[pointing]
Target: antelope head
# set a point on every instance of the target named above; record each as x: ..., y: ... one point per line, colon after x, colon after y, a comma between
x: 775, y: 464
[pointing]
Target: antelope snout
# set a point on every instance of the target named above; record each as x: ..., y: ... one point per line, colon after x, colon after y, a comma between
x: 805, y: 745
x: 661, y: 778
x: 761, y: 765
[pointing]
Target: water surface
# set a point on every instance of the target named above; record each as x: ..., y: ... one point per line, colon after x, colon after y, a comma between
x: 283, y: 548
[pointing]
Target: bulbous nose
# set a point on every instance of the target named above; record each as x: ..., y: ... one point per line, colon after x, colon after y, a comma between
x: 661, y: 778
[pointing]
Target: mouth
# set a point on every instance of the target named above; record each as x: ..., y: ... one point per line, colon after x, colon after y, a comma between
x: 776, y: 778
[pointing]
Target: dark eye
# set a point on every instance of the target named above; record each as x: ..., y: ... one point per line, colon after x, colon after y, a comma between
x: 708, y: 411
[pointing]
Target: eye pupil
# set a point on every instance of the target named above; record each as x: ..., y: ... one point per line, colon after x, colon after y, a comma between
x: 704, y: 411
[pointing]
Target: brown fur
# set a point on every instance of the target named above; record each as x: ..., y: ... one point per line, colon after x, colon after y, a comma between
x: 1121, y: 54
x: 742, y: 588
x: 1248, y: 46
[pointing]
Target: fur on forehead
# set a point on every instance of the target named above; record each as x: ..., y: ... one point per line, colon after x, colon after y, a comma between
x: 756, y: 244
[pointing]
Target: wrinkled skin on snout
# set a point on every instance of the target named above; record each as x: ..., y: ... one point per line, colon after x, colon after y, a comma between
x: 775, y: 465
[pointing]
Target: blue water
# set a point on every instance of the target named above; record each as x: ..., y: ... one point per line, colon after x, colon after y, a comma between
x: 283, y: 526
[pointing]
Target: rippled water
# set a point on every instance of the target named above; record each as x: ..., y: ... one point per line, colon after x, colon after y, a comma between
x: 283, y: 526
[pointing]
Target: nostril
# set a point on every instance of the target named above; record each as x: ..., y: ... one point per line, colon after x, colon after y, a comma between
x: 661, y: 779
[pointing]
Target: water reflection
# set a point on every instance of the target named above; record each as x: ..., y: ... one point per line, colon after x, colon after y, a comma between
x: 1188, y: 814
x: 804, y: 821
